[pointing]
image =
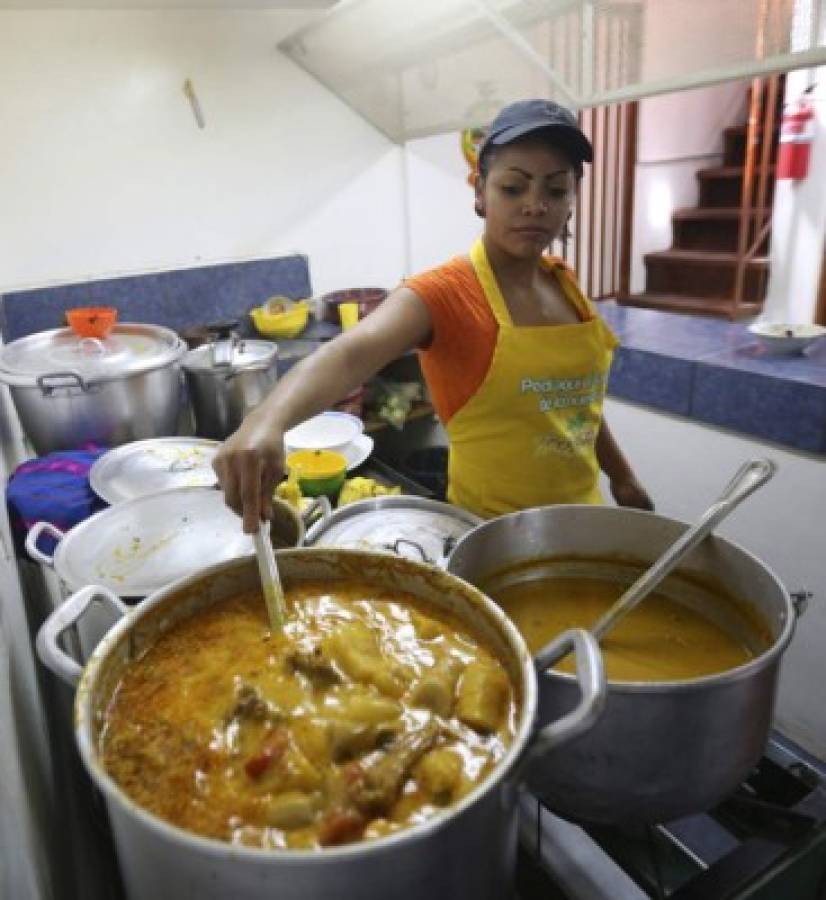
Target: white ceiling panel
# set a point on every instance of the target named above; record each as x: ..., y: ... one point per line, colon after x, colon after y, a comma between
x: 424, y: 67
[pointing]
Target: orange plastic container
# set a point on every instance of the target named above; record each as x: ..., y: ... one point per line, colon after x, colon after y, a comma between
x: 92, y: 321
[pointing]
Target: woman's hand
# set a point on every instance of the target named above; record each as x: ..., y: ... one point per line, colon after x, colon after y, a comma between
x: 627, y: 491
x: 249, y: 464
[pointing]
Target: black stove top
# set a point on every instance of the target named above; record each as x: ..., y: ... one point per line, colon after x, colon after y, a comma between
x: 766, y: 841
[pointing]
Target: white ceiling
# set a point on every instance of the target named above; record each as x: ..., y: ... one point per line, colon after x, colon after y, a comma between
x: 227, y: 5
x: 420, y: 67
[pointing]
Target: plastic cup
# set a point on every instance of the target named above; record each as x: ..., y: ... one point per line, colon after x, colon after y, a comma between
x: 349, y: 314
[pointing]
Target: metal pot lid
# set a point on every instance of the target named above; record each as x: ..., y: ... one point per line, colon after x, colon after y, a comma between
x: 139, y: 546
x: 244, y: 355
x: 414, y: 527
x: 151, y: 466
x: 129, y: 350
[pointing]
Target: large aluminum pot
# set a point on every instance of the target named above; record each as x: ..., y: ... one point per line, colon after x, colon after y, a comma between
x: 226, y: 380
x: 660, y: 750
x: 467, y: 850
x: 69, y: 391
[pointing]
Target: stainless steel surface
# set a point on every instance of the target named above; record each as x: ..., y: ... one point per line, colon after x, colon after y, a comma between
x: 746, y: 481
x: 141, y: 545
x: 70, y: 391
x: 148, y: 467
x: 221, y: 395
x: 416, y: 527
x: 578, y: 865
x: 466, y: 850
x: 659, y: 750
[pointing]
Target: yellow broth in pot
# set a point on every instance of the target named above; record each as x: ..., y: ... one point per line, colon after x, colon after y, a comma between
x: 661, y: 640
x: 368, y: 714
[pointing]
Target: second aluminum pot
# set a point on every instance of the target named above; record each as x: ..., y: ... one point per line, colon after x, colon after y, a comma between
x: 466, y: 850
x: 226, y: 380
x: 660, y: 750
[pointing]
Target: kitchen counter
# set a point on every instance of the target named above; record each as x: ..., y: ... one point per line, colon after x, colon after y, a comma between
x: 715, y: 372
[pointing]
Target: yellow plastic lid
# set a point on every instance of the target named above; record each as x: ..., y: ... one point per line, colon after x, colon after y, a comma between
x: 316, y: 463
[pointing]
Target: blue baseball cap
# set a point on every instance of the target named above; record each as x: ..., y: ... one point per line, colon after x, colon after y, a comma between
x: 518, y: 119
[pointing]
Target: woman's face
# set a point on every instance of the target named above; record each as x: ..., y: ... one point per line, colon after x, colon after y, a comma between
x: 526, y: 197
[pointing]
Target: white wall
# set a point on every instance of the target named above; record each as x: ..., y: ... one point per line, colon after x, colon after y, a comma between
x: 104, y: 171
x: 442, y: 222
x: 684, y: 466
x: 678, y: 134
x: 799, y: 220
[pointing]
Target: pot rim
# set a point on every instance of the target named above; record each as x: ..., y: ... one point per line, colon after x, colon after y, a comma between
x: 84, y: 716
x: 174, y: 350
x: 728, y: 676
x: 193, y: 361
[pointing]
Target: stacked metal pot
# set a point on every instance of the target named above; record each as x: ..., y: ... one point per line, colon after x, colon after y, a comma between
x: 70, y: 391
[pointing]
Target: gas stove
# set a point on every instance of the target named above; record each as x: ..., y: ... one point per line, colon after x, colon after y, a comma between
x: 766, y: 841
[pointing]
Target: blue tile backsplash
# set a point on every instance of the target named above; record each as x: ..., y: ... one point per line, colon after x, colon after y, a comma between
x: 180, y: 298
x: 715, y: 372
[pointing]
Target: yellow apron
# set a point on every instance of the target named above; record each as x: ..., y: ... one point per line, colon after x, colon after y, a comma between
x: 527, y: 436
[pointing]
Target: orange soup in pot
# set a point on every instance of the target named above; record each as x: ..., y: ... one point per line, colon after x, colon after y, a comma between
x: 368, y: 714
x: 660, y: 640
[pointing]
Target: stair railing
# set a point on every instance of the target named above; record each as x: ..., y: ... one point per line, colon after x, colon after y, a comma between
x: 755, y: 218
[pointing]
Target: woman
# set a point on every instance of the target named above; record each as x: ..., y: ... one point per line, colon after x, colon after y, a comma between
x: 515, y: 357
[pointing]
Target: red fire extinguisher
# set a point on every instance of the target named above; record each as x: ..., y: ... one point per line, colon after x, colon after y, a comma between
x: 797, y: 130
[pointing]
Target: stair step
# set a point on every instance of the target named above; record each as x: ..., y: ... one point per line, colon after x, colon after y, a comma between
x: 702, y: 213
x: 742, y: 130
x: 735, y: 140
x: 698, y: 273
x: 715, y: 229
x: 721, y: 186
x: 703, y: 258
x: 715, y: 172
x: 704, y: 306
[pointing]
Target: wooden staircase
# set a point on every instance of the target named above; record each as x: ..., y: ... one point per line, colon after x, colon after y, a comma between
x: 708, y: 266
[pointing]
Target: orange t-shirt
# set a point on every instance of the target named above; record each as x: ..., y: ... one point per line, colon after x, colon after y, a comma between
x: 458, y: 357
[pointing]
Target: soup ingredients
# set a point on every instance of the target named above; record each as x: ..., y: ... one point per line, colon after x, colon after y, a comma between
x: 361, y: 488
x: 366, y: 714
x: 660, y: 640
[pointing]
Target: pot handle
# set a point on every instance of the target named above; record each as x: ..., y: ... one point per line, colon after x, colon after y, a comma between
x: 316, y: 517
x: 53, y: 381
x: 800, y: 601
x: 35, y: 533
x: 590, y: 676
x: 49, y: 651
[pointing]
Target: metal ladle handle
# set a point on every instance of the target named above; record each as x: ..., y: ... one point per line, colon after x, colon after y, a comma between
x: 749, y: 478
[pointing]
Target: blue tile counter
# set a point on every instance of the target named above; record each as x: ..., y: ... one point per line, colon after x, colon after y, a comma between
x: 178, y: 299
x: 715, y: 372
